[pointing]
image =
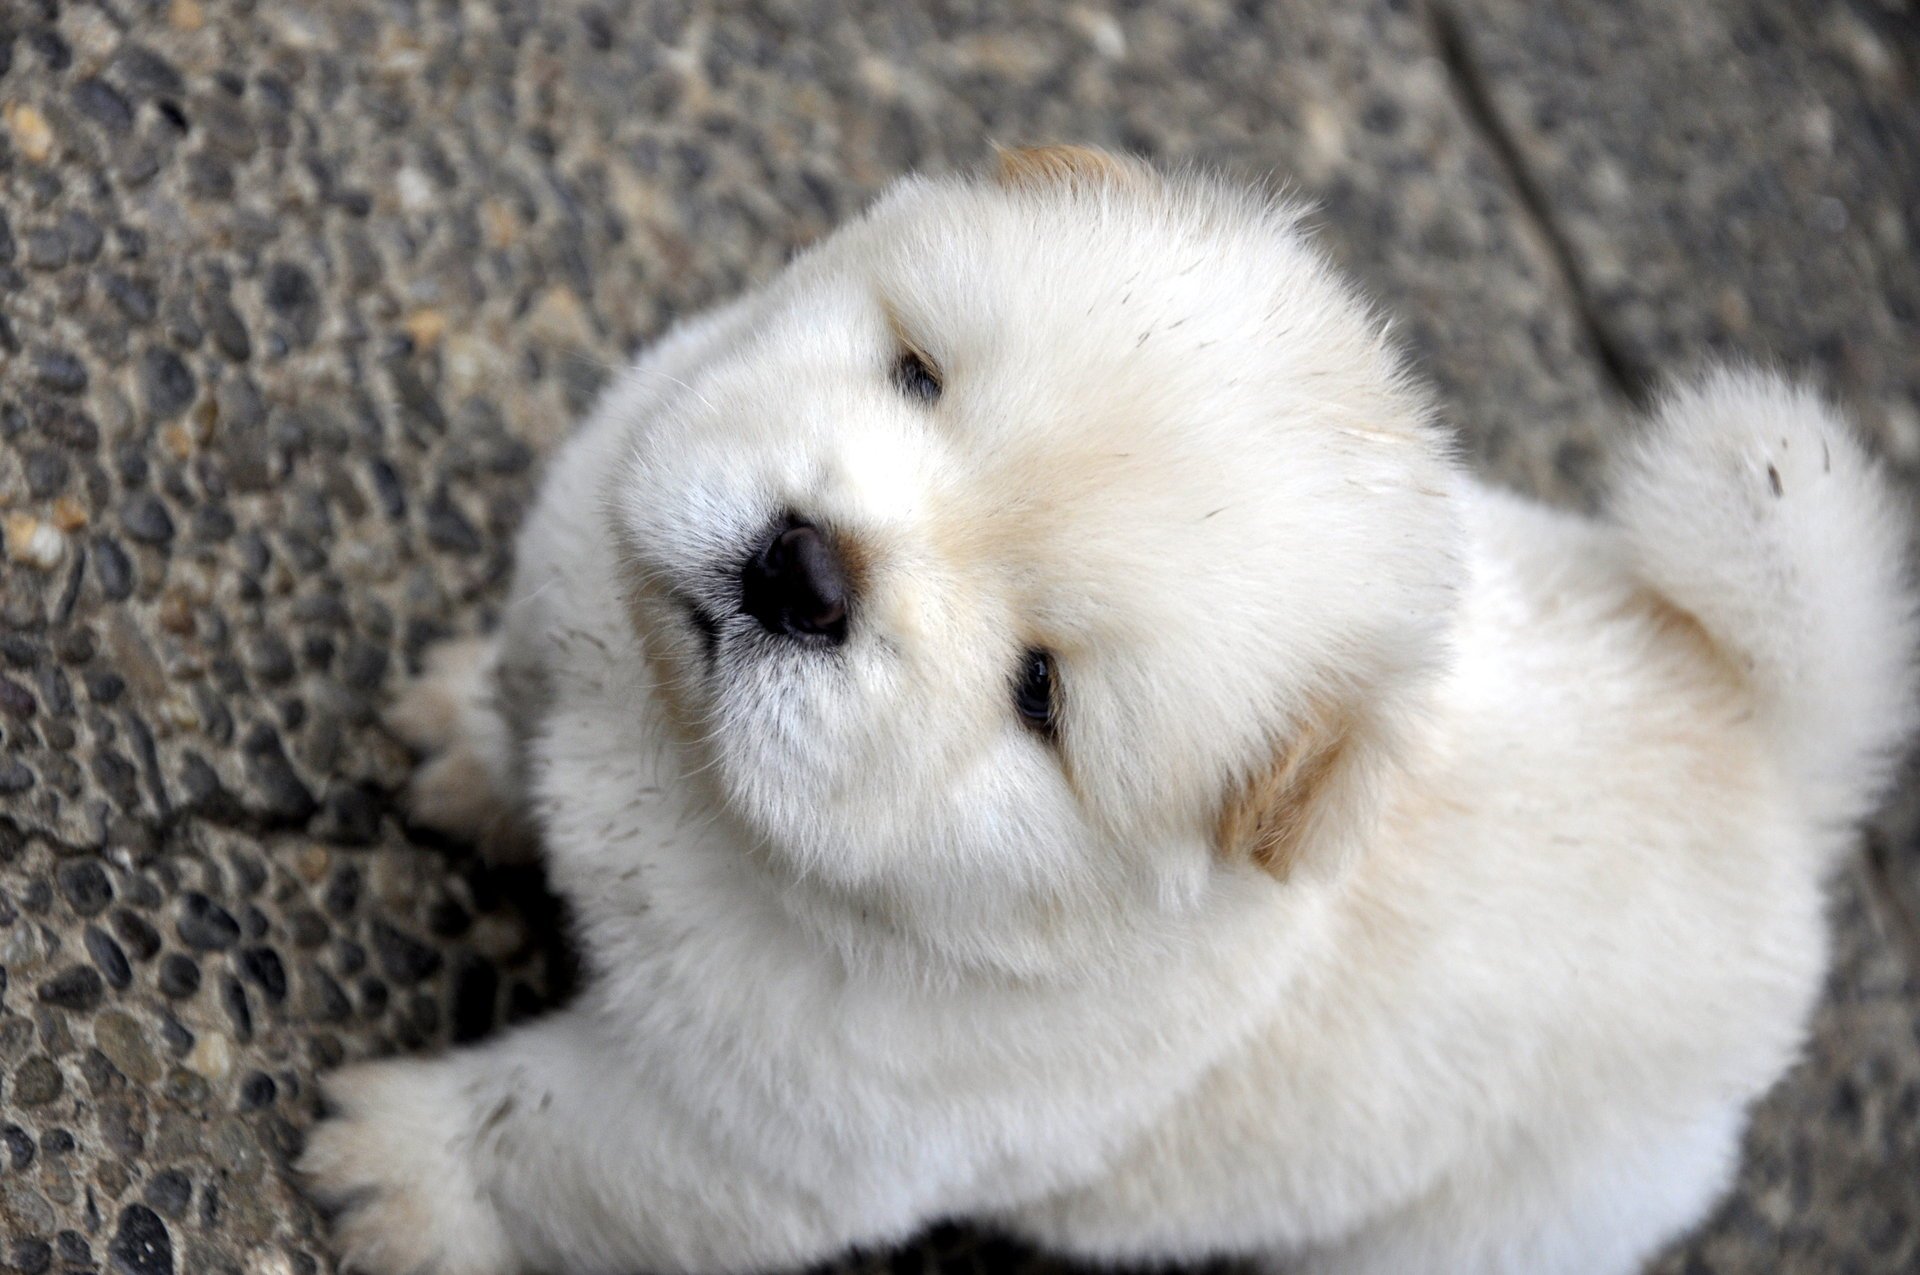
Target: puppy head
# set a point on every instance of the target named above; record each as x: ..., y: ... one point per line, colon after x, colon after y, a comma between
x: 1067, y: 537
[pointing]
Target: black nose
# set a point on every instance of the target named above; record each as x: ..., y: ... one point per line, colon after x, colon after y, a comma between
x: 794, y: 584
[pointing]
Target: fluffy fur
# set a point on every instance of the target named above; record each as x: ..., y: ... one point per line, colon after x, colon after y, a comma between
x: 1421, y: 879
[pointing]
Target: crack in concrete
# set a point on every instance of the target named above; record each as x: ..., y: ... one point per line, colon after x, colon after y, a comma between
x: 225, y: 812
x: 1885, y: 895
x: 1619, y: 368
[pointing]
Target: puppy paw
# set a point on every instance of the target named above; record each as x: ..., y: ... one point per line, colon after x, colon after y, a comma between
x: 393, y: 1165
x: 449, y: 715
x: 453, y: 793
x: 430, y: 711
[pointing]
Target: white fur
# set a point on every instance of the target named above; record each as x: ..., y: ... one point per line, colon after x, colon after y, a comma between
x: 867, y: 952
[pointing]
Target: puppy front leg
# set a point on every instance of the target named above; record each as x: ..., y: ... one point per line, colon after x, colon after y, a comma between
x: 543, y: 1151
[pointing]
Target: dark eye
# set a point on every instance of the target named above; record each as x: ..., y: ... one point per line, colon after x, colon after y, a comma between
x: 916, y: 378
x: 1033, y: 692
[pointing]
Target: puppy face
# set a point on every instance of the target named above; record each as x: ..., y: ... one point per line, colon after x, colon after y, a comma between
x: 1064, y: 535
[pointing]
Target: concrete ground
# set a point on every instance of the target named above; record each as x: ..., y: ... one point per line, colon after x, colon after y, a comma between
x: 294, y: 299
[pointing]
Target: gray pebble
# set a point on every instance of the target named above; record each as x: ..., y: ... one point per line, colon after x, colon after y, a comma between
x: 53, y: 50
x: 170, y: 1191
x: 85, y: 884
x: 136, y: 165
x: 131, y: 460
x: 229, y: 331
x: 145, y: 519
x: 122, y: 1038
x: 16, y: 700
x: 201, y: 786
x: 364, y: 666
x: 233, y: 997
x: 59, y: 371
x: 109, y: 957
x: 165, y: 383
x: 405, y: 959
x: 258, y: 1090
x: 37, y: 896
x: 342, y: 896
x: 37, y: 1082
x: 78, y: 987
x: 118, y: 776
x: 46, y: 248
x: 102, y: 103
x: 105, y: 686
x: 140, y: 938
x: 448, y: 528
x: 282, y: 793
x: 350, y: 817
x: 329, y: 1003
x: 212, y: 524
x: 19, y: 1146
x: 19, y: 650
x: 176, y: 1037
x: 141, y: 1245
x: 31, y: 1256
x: 204, y: 925
x: 271, y: 659
x: 56, y: 692
x: 179, y: 977
x: 83, y: 234
x: 290, y: 294
x: 388, y: 488
x: 416, y: 400
x: 146, y: 72
x: 133, y: 295
x: 113, y: 568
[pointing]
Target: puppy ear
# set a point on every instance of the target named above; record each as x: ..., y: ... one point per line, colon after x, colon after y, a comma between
x: 1040, y: 167
x: 1305, y: 795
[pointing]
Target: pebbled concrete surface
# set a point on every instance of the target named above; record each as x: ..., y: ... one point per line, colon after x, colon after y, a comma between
x: 294, y: 298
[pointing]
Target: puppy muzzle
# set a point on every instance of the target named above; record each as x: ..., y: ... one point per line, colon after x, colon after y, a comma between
x: 795, y: 584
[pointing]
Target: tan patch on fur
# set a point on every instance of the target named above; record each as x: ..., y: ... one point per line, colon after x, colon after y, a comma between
x: 1681, y: 633
x: 1266, y: 820
x: 856, y: 561
x: 904, y: 339
x: 1038, y: 167
x: 668, y: 679
x: 1710, y: 696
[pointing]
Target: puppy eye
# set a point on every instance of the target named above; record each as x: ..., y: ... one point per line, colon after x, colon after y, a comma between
x: 916, y: 378
x: 1033, y: 693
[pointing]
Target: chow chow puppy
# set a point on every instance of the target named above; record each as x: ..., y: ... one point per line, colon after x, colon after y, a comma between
x: 1034, y: 724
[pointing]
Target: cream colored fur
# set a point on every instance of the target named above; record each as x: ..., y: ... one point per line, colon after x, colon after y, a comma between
x: 1422, y: 879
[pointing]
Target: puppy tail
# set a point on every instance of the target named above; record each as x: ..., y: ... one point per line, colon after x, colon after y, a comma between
x: 1751, y: 505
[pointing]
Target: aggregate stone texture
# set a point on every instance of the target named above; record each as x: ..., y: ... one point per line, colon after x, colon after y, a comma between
x: 1744, y: 182
x: 295, y: 298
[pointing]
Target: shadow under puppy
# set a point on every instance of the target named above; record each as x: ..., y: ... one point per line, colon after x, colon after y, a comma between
x: 1035, y: 724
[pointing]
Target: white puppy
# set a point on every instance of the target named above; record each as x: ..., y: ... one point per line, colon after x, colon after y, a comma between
x: 1034, y: 725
